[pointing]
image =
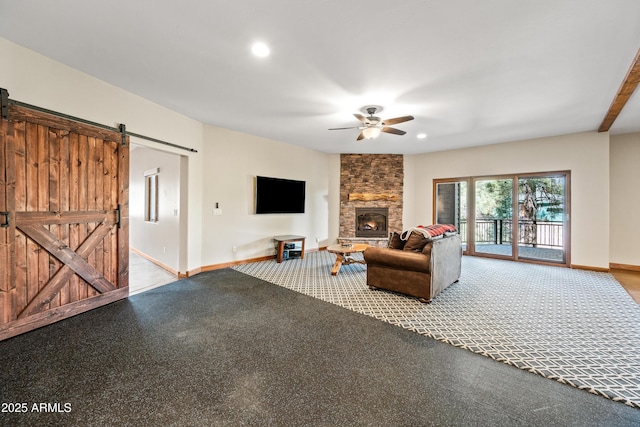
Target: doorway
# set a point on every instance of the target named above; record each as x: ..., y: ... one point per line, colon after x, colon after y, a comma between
x: 157, y: 212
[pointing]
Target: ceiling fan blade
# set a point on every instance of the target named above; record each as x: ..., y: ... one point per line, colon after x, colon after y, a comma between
x: 393, y: 130
x: 397, y: 120
x: 360, y: 117
x: 360, y: 137
x: 352, y: 127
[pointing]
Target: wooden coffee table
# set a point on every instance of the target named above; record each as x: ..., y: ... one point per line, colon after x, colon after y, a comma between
x: 343, y: 255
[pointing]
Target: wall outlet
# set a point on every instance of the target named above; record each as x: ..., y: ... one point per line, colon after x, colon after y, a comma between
x: 164, y: 249
x: 317, y: 239
x: 234, y: 249
x: 217, y: 211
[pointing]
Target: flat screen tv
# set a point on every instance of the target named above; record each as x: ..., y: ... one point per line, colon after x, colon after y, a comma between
x: 279, y: 196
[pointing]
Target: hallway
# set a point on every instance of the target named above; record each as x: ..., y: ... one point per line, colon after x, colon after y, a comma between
x: 145, y: 275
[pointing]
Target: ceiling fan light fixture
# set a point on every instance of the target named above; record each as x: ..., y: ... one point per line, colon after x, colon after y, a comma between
x: 371, y: 127
x: 371, y: 133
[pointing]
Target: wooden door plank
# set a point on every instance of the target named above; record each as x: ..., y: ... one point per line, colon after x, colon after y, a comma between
x: 18, y: 294
x: 32, y: 264
x: 91, y: 198
x: 74, y: 205
x: 62, y: 276
x: 54, y: 205
x: 11, y: 202
x: 42, y: 196
x: 107, y: 205
x: 123, y: 201
x: 83, y: 183
x: 6, y: 239
x: 115, y: 199
x: 65, y: 187
x: 99, y: 203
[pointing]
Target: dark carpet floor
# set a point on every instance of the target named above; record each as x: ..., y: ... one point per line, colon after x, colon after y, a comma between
x: 224, y: 348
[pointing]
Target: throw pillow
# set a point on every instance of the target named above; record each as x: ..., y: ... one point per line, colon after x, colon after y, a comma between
x: 395, y: 242
x: 416, y: 242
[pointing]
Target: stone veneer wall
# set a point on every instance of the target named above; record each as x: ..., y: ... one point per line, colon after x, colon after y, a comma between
x: 374, y: 174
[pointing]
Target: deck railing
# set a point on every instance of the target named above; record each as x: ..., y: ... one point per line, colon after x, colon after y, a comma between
x: 500, y: 231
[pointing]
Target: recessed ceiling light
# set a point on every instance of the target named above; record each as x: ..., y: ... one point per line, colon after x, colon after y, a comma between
x: 260, y: 50
x: 421, y: 135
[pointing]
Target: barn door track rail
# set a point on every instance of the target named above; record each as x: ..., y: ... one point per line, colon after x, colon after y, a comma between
x: 5, y: 101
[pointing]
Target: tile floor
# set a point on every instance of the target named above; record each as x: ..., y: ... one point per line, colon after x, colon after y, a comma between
x: 145, y: 275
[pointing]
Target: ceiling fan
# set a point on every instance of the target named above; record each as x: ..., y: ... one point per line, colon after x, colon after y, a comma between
x: 372, y: 126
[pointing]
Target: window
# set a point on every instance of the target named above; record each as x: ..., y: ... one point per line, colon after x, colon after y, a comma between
x: 151, y: 195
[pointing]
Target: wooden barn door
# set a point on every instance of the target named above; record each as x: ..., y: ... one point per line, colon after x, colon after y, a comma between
x: 64, y: 221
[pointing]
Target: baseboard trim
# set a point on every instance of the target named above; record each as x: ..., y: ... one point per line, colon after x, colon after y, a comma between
x: 193, y: 272
x: 232, y: 263
x: 590, y: 268
x: 155, y: 261
x: 243, y: 261
x: 629, y: 267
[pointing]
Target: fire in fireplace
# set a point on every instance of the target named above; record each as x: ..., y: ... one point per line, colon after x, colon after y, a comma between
x: 371, y: 222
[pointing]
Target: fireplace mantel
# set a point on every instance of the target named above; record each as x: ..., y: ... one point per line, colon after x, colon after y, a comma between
x: 370, y: 197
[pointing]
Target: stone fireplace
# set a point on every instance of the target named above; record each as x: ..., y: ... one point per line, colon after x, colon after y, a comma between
x: 370, y: 183
x: 371, y: 222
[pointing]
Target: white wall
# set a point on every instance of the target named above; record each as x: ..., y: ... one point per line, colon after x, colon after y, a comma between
x: 586, y: 155
x: 32, y: 78
x: 625, y: 199
x: 233, y: 160
x: 159, y: 240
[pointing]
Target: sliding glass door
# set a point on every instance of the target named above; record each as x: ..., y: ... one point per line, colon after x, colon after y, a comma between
x: 493, y: 219
x: 522, y: 216
x: 542, y: 217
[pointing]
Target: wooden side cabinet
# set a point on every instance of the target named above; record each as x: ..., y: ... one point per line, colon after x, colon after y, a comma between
x: 282, y: 241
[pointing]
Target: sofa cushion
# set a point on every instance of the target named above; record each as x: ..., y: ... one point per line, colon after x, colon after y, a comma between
x: 395, y: 242
x: 416, y: 242
x: 396, y: 259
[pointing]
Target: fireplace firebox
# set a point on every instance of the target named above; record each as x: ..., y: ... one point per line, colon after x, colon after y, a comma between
x: 372, y: 222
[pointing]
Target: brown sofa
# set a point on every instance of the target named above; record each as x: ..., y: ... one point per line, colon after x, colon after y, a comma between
x: 422, y: 274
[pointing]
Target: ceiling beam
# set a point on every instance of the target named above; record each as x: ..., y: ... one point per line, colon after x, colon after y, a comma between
x: 627, y: 87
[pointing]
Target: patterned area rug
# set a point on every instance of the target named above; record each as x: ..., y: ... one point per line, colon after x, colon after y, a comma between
x: 578, y: 327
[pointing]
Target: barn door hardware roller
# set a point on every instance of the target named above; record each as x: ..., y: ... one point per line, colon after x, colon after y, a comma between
x: 123, y: 131
x: 5, y: 224
x: 4, y: 102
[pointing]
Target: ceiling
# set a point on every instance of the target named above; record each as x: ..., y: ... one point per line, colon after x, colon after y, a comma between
x: 471, y: 72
